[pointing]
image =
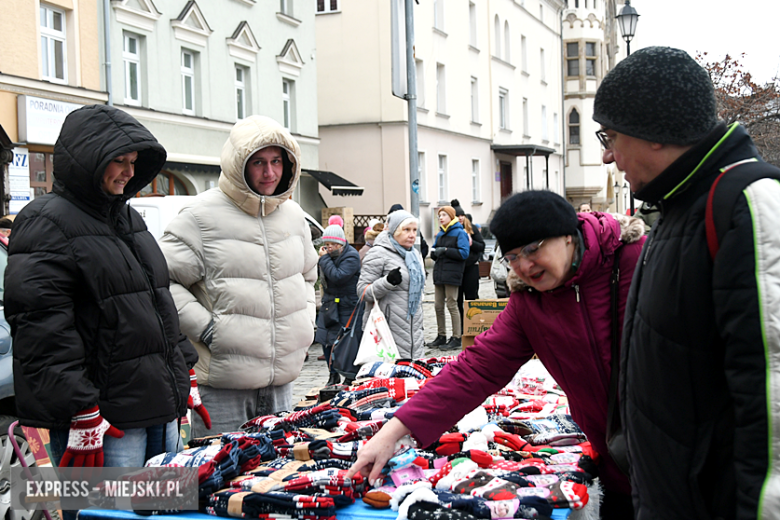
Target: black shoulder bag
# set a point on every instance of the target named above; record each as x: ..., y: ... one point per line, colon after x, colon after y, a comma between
x: 616, y: 438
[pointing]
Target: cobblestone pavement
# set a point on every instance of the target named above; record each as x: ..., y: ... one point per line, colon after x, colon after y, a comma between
x: 315, y: 373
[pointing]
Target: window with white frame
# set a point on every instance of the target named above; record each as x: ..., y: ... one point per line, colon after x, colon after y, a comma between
x: 438, y: 14
x: 421, y: 174
x: 241, y: 79
x: 542, y: 68
x: 523, y: 54
x: 131, y: 56
x: 525, y: 116
x: 54, y: 48
x: 503, y: 108
x: 544, y: 124
x: 420, y: 78
x: 472, y: 24
x: 497, y: 36
x: 327, y: 6
x: 288, y: 103
x: 474, y: 100
x: 286, y: 7
x: 188, y: 81
x: 441, y: 89
x: 475, y: 196
x: 574, y: 127
x: 541, y: 12
x: 507, y: 43
x: 442, y: 178
x: 556, y: 139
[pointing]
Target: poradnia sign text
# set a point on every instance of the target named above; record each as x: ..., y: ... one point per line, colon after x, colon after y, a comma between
x: 40, y: 120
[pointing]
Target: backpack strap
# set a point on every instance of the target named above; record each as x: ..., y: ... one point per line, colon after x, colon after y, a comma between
x: 724, y: 193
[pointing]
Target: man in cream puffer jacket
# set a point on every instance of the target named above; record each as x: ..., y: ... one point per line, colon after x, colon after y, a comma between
x: 243, y: 268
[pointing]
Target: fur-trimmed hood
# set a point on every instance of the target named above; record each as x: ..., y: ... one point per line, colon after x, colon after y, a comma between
x: 599, y: 230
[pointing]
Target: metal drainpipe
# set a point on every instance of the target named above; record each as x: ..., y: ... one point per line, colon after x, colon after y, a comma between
x: 107, y: 44
x: 563, y: 108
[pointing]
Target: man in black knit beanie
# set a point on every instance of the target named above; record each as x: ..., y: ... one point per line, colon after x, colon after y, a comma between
x: 703, y: 313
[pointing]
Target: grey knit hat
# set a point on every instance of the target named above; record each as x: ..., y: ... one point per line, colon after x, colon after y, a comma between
x: 335, y: 234
x: 396, y: 218
x: 658, y: 94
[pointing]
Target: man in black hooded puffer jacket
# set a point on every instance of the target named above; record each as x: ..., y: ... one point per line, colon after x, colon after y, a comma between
x: 97, y: 345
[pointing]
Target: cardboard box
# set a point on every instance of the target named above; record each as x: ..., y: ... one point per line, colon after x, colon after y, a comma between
x: 478, y: 316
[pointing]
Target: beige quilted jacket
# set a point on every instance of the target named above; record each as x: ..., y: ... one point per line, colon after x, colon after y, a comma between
x: 247, y: 262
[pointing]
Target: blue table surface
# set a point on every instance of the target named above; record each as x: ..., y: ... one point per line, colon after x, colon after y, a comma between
x: 357, y: 511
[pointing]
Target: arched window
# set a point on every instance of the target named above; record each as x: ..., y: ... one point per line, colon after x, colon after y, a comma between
x: 507, y: 54
x: 574, y: 127
x: 165, y: 183
x: 497, y: 27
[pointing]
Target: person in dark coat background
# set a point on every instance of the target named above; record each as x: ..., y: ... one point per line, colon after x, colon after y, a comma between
x: 98, y: 356
x: 450, y: 250
x: 469, y: 289
x: 340, y: 267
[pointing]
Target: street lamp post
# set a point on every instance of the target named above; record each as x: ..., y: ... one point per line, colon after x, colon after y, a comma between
x: 627, y: 20
x: 617, y: 197
x: 625, y: 189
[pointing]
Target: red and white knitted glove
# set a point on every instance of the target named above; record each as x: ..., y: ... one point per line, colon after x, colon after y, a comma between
x: 194, y: 402
x: 85, y: 439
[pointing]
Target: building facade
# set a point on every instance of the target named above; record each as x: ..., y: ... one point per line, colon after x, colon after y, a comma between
x: 186, y: 69
x: 592, y: 46
x: 49, y: 66
x: 489, y: 103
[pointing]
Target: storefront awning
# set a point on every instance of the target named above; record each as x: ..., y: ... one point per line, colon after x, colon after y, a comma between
x: 336, y: 184
x: 192, y: 167
x: 523, y: 150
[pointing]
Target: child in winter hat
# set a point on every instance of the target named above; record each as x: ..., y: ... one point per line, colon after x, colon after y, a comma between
x: 334, y: 233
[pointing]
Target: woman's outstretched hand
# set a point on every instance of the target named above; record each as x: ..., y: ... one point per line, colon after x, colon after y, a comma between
x: 373, y: 456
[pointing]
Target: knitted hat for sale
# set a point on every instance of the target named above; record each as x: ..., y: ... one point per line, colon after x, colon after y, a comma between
x: 335, y: 234
x: 532, y: 215
x: 336, y: 219
x: 658, y: 94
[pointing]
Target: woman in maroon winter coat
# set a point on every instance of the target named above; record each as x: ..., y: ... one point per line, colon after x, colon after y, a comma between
x: 560, y: 309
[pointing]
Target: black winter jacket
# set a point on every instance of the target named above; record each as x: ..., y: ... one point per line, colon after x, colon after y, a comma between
x: 476, y: 249
x: 699, y: 367
x: 86, y: 289
x: 339, y: 281
x: 448, y: 267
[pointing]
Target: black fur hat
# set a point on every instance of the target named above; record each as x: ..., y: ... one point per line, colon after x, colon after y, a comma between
x: 658, y: 94
x: 532, y: 215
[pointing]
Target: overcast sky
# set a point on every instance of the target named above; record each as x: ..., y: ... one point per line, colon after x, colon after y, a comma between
x: 717, y: 27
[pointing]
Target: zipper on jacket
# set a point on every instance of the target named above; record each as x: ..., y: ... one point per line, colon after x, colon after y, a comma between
x: 577, y: 291
x: 270, y: 292
x: 589, y: 327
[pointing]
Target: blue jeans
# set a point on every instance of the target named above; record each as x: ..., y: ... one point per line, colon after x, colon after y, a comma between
x: 131, y: 451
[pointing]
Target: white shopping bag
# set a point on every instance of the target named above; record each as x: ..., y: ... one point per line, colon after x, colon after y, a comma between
x: 377, y: 343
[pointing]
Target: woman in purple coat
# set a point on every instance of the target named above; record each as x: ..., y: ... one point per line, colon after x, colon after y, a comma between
x: 560, y: 309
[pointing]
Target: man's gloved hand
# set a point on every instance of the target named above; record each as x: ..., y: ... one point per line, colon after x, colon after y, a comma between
x: 394, y: 276
x: 208, y: 334
x: 440, y: 251
x: 85, y: 439
x: 194, y: 402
